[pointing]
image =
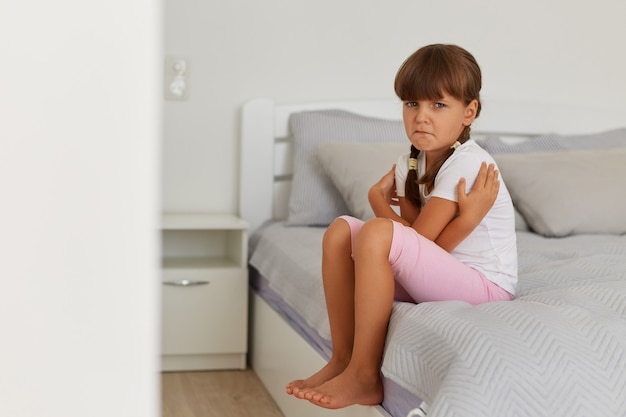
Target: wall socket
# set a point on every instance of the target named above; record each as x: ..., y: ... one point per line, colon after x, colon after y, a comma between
x: 176, y: 78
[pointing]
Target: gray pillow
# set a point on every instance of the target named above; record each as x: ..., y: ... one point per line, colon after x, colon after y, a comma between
x: 496, y: 144
x: 610, y: 139
x: 569, y: 192
x: 355, y: 167
x: 552, y: 143
x: 314, y: 200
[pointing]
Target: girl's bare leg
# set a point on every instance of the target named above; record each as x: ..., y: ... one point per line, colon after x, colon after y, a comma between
x: 338, y: 279
x: 360, y: 382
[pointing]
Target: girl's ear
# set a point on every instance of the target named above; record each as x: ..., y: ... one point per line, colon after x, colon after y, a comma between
x: 470, y: 112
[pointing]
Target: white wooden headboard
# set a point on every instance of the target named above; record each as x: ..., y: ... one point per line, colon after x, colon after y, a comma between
x: 266, y: 164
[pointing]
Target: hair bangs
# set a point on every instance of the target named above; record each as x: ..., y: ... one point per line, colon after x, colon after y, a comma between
x: 417, y: 84
x: 428, y: 74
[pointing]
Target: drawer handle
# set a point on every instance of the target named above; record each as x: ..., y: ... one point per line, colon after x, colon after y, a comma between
x: 185, y: 283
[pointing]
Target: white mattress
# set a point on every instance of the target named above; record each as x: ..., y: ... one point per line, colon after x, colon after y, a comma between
x: 558, y: 349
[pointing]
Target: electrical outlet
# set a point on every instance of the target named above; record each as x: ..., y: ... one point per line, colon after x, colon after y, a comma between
x: 176, y: 78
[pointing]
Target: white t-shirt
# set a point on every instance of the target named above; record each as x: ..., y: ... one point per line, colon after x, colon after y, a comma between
x: 491, y: 247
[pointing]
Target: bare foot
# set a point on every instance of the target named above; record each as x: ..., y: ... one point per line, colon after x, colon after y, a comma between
x: 331, y: 370
x: 347, y: 389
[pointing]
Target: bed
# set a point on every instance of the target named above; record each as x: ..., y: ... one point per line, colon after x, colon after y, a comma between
x: 558, y: 349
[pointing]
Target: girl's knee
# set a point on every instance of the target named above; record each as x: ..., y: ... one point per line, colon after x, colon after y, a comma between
x: 375, y: 235
x: 377, y: 226
x: 337, y: 234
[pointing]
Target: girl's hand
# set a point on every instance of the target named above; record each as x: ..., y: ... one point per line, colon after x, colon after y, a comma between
x: 476, y: 204
x: 386, y: 187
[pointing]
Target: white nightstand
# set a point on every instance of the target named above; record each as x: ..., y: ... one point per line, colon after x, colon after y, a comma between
x: 204, y: 293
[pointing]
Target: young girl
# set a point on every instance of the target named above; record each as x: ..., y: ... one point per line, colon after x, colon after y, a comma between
x: 445, y: 245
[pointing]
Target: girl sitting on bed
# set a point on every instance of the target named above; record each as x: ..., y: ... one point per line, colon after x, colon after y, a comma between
x: 445, y: 245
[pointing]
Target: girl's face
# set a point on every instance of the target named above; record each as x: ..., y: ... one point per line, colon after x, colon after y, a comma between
x: 433, y: 126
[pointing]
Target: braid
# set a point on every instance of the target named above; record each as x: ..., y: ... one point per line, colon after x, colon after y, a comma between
x: 411, y: 187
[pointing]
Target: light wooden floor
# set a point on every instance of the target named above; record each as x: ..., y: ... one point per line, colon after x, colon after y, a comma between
x: 215, y: 394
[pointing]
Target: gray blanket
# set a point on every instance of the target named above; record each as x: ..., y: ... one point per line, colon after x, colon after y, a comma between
x: 558, y: 349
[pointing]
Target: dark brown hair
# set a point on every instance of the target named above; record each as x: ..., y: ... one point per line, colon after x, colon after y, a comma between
x: 426, y: 75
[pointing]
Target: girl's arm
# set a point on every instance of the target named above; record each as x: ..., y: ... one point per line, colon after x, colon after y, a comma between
x: 445, y: 222
x: 448, y: 223
x: 473, y: 207
x: 408, y: 210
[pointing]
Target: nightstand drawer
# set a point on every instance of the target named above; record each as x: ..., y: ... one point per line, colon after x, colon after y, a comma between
x: 204, y: 267
x: 204, y: 311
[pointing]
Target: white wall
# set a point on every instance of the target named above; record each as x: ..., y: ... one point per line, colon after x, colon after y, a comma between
x: 80, y: 131
x: 293, y: 50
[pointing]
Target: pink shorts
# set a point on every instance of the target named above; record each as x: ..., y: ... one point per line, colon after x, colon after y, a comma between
x: 424, y: 271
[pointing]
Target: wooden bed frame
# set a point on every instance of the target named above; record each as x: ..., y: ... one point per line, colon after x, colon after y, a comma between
x: 278, y: 354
